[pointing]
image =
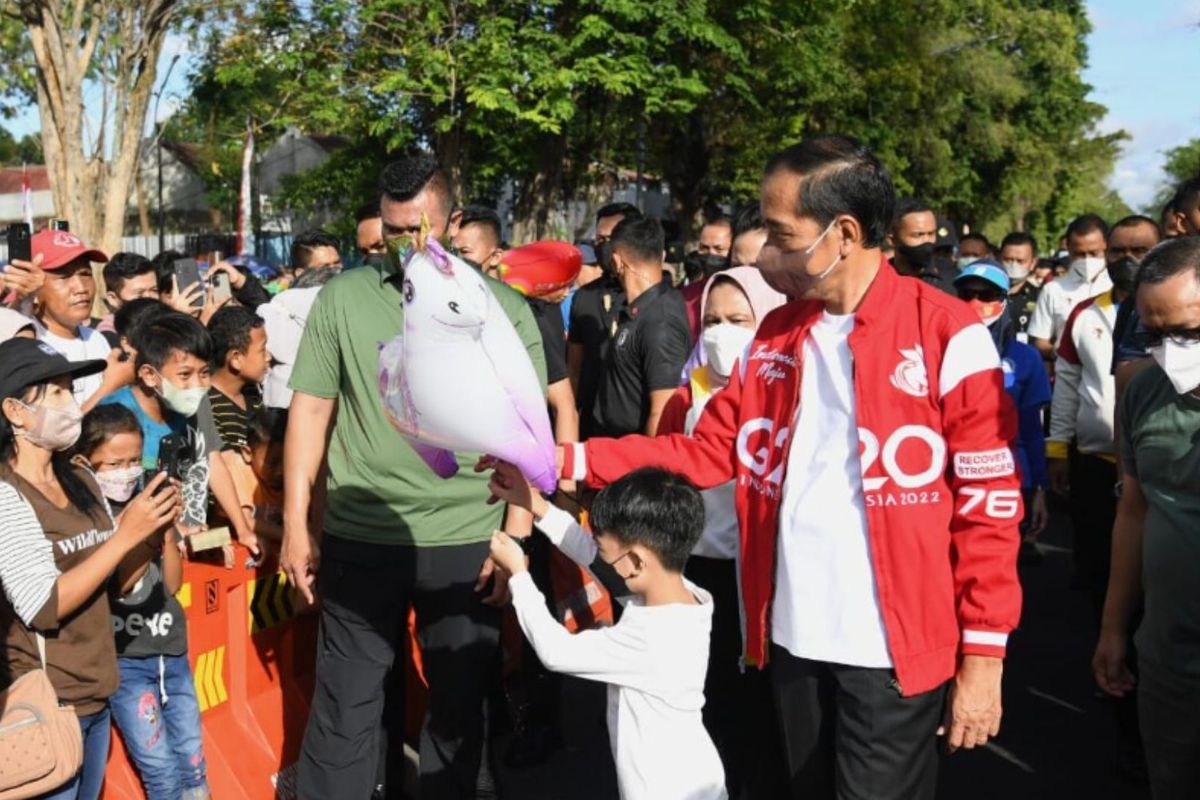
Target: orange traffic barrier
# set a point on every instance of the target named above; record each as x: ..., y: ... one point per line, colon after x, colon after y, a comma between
x: 253, y: 654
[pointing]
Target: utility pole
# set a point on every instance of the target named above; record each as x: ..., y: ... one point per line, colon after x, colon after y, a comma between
x: 158, y: 132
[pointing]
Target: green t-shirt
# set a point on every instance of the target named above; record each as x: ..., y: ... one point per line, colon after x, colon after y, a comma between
x: 379, y: 489
x: 1160, y: 446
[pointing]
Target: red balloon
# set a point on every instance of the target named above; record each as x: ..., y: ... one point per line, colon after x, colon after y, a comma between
x: 540, y: 269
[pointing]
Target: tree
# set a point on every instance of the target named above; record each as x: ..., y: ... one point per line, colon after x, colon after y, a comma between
x: 1182, y: 163
x: 985, y: 113
x: 110, y: 44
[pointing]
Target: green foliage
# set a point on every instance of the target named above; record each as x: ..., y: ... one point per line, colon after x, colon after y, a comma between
x: 1183, y: 163
x: 14, y: 153
x: 978, y: 105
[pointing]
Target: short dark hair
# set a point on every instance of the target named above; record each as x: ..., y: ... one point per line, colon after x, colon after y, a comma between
x: 1085, y: 224
x: 132, y: 315
x: 657, y: 509
x: 230, y: 329
x: 839, y: 175
x: 1187, y: 196
x: 975, y: 237
x: 164, y: 269
x: 172, y: 333
x: 641, y: 237
x: 748, y: 218
x: 622, y: 210
x: 1019, y: 238
x: 402, y: 180
x: 1170, y: 258
x: 910, y: 205
x: 485, y: 217
x: 312, y: 278
x: 123, y: 266
x: 1137, y: 220
x: 366, y: 211
x: 304, y: 245
x: 268, y: 425
x: 101, y: 424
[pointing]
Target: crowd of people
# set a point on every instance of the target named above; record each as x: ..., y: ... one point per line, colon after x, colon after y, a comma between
x: 810, y: 455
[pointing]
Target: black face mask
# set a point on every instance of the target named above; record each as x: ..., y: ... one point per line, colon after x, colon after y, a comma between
x: 1124, y: 273
x: 700, y: 266
x: 604, y: 256
x: 919, y: 256
x: 374, y: 260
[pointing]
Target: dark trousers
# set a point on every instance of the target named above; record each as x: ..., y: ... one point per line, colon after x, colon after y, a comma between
x: 848, y: 734
x: 1093, y: 511
x: 737, y: 705
x: 1169, y: 707
x: 365, y: 592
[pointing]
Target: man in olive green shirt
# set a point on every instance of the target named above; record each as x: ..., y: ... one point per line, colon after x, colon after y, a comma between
x: 1156, y: 538
x: 394, y: 533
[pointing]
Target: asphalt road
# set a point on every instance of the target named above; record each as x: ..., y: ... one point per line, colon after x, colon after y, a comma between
x: 1058, y: 738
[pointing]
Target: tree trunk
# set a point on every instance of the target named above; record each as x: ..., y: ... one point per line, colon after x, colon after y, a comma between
x: 541, y: 195
x: 116, y: 45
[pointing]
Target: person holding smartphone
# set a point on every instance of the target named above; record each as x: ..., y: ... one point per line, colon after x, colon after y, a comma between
x: 62, y: 307
x: 59, y: 544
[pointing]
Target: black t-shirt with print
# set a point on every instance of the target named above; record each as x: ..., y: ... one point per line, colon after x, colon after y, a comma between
x: 554, y: 338
x: 651, y: 343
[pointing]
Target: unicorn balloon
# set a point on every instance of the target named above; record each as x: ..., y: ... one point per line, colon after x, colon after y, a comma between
x: 458, y: 379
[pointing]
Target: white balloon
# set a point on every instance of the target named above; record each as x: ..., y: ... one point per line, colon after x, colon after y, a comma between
x: 459, y: 379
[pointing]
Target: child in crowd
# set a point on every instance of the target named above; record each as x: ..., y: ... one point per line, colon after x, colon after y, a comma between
x: 654, y: 659
x: 155, y: 705
x: 170, y: 384
x: 738, y: 708
x: 240, y: 363
x: 257, y: 470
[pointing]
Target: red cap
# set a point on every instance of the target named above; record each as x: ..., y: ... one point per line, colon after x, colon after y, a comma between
x: 59, y: 248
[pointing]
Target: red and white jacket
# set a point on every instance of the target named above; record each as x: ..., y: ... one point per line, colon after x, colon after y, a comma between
x: 941, y: 488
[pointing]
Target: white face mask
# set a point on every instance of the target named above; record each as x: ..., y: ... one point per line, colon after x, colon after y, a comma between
x: 1016, y: 270
x: 118, y: 485
x: 965, y: 261
x: 1090, y: 267
x: 1181, y: 362
x: 724, y: 344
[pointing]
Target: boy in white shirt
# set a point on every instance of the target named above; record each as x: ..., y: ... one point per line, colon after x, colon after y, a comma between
x: 653, y: 660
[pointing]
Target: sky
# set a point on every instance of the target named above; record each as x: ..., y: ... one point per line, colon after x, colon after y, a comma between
x: 1142, y: 68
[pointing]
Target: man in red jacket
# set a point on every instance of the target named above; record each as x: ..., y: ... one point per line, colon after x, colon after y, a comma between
x: 878, y: 501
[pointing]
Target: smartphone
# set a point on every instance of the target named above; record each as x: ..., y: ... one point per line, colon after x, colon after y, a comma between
x: 219, y: 283
x: 187, y: 272
x: 19, y: 242
x: 175, y: 456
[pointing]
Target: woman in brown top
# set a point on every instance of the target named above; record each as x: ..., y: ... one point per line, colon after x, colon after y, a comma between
x: 59, y: 545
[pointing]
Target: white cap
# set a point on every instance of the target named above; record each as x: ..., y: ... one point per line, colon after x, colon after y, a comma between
x: 284, y: 317
x: 12, y: 322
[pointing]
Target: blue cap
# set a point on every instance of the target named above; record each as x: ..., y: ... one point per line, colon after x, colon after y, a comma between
x: 587, y: 251
x: 987, y: 269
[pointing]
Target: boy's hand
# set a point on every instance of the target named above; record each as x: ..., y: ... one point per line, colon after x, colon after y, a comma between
x: 507, y: 483
x: 507, y: 553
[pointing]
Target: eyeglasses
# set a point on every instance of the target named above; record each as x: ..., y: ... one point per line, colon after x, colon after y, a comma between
x: 985, y: 295
x: 1154, y: 337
